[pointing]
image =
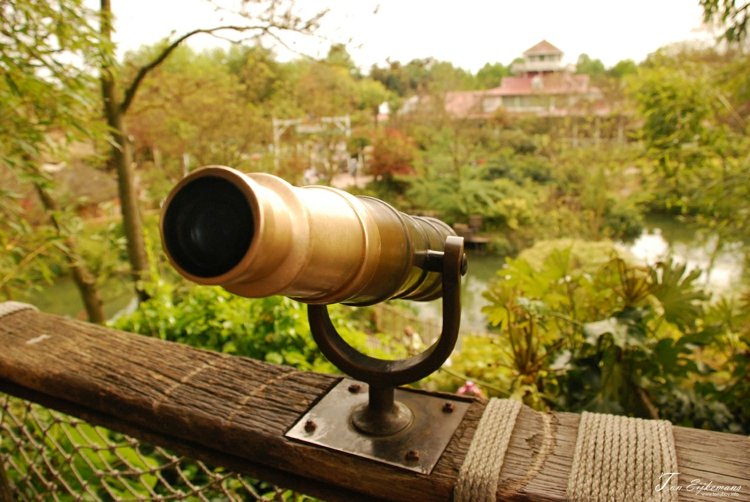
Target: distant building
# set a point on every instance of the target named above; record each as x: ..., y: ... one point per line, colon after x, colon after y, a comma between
x: 541, y: 85
x: 542, y: 58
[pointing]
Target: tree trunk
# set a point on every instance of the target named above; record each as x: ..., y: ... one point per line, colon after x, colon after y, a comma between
x: 82, y: 276
x: 120, y: 161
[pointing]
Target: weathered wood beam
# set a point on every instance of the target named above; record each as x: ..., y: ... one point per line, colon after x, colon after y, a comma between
x: 186, y: 448
x: 234, y: 411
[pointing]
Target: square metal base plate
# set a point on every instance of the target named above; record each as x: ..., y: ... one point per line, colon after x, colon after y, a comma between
x: 428, y: 435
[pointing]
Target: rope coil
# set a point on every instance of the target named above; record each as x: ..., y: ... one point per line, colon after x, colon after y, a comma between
x: 480, y: 472
x: 616, y: 458
x: 622, y: 458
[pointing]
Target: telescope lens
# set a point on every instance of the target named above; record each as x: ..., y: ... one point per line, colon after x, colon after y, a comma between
x: 208, y: 226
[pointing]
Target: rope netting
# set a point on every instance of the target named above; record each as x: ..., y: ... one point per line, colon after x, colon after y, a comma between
x: 47, y: 455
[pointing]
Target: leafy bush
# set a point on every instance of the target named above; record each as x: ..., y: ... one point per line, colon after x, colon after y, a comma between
x: 580, y: 328
x: 622, y: 220
x: 393, y: 153
x: 272, y: 329
x: 519, y: 168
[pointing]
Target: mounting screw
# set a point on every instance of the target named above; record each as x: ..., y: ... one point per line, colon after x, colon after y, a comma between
x: 310, y: 426
x: 412, y: 456
x: 355, y: 388
x: 448, y: 407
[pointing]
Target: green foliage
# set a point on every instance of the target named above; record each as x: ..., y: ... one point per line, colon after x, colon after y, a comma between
x: 28, y: 254
x: 579, y: 328
x: 675, y: 106
x: 456, y: 198
x: 46, y: 103
x: 236, y: 94
x: 273, y: 329
x: 521, y: 178
x: 623, y: 68
x: 676, y: 289
x: 731, y: 15
x: 339, y: 56
x: 421, y: 76
x: 40, y: 91
x: 189, y: 85
x: 695, y: 133
x: 490, y: 75
x: 393, y: 153
x: 444, y: 77
x: 582, y: 187
x: 575, y: 326
x: 588, y: 66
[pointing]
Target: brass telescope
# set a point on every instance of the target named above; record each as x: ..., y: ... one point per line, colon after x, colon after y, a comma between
x: 256, y: 235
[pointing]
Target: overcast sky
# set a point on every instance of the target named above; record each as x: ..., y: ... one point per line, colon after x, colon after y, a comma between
x: 468, y: 33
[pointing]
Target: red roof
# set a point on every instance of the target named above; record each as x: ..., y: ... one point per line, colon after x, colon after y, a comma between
x: 542, y: 47
x: 552, y: 83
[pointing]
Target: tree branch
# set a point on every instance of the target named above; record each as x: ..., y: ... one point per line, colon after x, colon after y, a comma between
x: 146, y: 69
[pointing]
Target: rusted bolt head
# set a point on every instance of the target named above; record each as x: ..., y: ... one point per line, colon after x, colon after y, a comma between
x: 310, y: 426
x: 412, y: 456
x: 355, y: 388
x: 448, y: 407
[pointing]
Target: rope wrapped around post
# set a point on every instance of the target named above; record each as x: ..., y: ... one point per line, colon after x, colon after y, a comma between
x: 616, y: 458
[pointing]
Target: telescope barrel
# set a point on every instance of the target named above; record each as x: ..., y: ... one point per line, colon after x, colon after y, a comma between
x: 256, y: 235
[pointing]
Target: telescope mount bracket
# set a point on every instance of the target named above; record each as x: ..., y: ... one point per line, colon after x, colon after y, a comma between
x: 400, y: 427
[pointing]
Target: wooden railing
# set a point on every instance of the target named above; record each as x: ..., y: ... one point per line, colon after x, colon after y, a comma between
x: 234, y: 411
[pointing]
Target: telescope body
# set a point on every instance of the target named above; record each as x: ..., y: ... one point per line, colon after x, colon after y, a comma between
x: 256, y: 235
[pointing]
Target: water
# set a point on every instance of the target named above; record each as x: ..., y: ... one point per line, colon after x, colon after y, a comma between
x: 482, y: 270
x: 723, y: 271
x: 660, y: 239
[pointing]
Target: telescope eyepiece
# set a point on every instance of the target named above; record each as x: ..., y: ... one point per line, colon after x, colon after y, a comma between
x: 208, y: 226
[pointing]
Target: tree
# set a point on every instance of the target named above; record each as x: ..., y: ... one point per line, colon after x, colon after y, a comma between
x: 420, y: 76
x: 193, y: 109
x: 46, y: 93
x: 392, y: 77
x: 274, y: 18
x: 82, y: 276
x: 490, y: 75
x: 443, y: 77
x: 259, y: 74
x: 329, y: 89
x: 623, y: 68
x: 694, y: 123
x: 588, y: 66
x: 676, y: 103
x: 339, y: 56
x: 732, y: 16
x: 370, y: 95
x: 393, y: 153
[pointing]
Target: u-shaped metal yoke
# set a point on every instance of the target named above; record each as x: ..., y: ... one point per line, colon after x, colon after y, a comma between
x: 384, y: 375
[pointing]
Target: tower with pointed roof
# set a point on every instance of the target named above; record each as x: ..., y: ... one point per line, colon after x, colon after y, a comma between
x: 539, y: 59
